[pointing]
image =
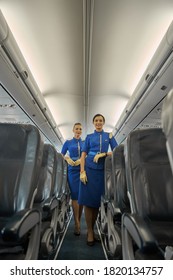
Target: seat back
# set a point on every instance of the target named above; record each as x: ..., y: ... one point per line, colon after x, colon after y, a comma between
x: 108, y: 194
x: 59, y: 176
x: 167, y: 124
x: 117, y: 205
x: 149, y: 176
x: 65, y: 197
x: 108, y: 178
x: 121, y: 200
x: 21, y: 150
x: 46, y: 181
x: 65, y: 188
x: 47, y: 203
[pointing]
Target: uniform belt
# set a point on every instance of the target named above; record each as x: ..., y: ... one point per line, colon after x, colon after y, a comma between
x: 75, y: 158
x: 92, y: 153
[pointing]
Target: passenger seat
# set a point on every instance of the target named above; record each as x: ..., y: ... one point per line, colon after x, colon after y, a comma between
x: 148, y: 229
x: 47, y: 203
x: 119, y: 204
x: 21, y: 150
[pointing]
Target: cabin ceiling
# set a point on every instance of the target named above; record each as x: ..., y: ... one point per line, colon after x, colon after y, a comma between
x: 87, y: 56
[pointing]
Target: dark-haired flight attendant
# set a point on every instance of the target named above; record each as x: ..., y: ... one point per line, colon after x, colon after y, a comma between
x: 91, y: 189
x: 74, y: 148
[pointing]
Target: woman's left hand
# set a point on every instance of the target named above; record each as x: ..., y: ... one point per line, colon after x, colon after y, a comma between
x: 97, y: 156
x: 77, y: 162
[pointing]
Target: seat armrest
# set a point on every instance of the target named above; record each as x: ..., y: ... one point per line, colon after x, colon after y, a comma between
x: 139, y: 232
x: 115, y: 211
x: 20, y: 224
x: 61, y: 197
x: 104, y: 200
x: 50, y: 204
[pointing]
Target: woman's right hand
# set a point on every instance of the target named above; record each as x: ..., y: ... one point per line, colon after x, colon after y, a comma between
x: 70, y: 161
x: 83, y: 177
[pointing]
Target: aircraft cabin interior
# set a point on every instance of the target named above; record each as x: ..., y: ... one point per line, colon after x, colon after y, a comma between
x: 62, y: 62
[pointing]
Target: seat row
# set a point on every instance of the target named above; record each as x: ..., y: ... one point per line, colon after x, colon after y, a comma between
x: 136, y: 216
x: 34, y: 194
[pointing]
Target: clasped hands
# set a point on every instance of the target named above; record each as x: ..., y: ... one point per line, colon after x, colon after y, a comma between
x: 72, y: 162
x: 83, y: 176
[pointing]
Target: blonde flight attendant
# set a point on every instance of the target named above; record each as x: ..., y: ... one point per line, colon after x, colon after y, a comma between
x: 74, y: 148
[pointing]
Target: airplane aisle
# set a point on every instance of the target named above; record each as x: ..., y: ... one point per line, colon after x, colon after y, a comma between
x: 75, y: 247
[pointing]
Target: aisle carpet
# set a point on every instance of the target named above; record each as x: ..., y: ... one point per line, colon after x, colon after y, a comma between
x: 75, y: 247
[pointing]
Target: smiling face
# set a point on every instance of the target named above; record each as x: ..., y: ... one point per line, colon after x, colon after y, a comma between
x: 98, y: 122
x: 77, y: 130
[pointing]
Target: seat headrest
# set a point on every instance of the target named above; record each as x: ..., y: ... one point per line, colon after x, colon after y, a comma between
x: 146, y: 146
x: 118, y: 156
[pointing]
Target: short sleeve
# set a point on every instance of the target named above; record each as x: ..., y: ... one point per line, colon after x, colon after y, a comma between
x: 64, y: 148
x: 85, y: 147
x: 112, y: 141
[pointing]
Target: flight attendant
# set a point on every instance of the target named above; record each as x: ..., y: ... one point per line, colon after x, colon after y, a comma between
x: 74, y: 148
x: 93, y: 156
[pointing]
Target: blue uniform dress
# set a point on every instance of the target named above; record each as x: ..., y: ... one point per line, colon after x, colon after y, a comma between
x: 74, y: 147
x: 97, y: 142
